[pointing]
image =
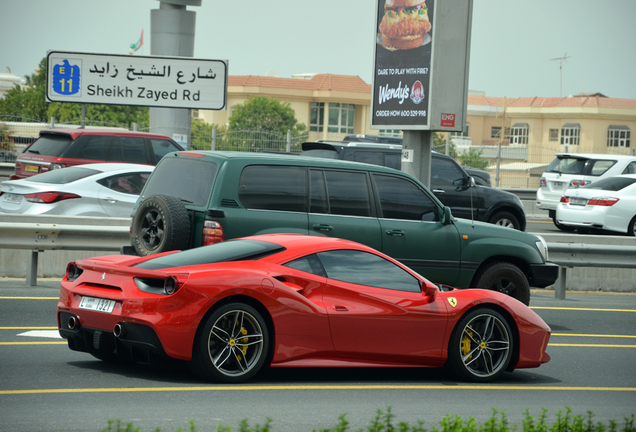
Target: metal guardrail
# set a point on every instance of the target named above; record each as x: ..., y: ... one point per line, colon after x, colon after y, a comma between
x: 41, y: 233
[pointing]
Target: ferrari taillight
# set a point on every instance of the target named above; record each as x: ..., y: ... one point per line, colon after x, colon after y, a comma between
x: 73, y: 271
x: 171, y: 285
x: 603, y: 201
x: 212, y: 233
x: 49, y: 197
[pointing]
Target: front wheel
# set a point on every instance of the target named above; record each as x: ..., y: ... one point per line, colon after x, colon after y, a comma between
x: 505, y: 219
x: 232, y: 344
x: 506, y: 278
x: 481, y: 346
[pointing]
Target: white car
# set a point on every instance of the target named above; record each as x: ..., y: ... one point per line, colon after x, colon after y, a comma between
x: 104, y: 189
x: 570, y: 171
x: 608, y: 204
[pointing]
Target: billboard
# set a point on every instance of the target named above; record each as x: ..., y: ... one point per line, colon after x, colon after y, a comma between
x: 420, y: 71
x: 153, y: 81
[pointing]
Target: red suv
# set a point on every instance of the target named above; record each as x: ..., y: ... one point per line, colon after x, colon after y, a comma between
x: 59, y: 148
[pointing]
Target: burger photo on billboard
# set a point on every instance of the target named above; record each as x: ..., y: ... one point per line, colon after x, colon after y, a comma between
x: 405, y: 24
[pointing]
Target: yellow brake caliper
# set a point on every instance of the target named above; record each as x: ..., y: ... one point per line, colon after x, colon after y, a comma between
x: 244, y: 340
x: 465, y: 345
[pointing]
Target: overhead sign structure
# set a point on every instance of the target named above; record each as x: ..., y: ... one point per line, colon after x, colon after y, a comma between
x: 153, y: 81
x: 420, y: 71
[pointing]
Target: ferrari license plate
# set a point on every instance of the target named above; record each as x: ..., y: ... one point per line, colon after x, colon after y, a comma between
x: 578, y: 201
x: 11, y: 198
x: 32, y: 168
x: 97, y: 304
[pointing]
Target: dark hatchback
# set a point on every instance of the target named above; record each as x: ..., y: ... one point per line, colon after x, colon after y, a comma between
x: 59, y: 148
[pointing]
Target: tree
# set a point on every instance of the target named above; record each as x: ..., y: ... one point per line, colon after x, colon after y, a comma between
x: 265, y: 114
x: 30, y: 104
x: 472, y: 158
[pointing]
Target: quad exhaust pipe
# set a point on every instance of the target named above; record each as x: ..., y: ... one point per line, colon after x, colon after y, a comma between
x: 119, y: 330
x: 73, y: 323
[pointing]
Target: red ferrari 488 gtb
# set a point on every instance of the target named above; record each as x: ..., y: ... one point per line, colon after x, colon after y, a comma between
x: 282, y: 300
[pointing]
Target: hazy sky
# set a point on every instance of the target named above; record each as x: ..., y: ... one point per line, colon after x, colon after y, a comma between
x: 512, y: 40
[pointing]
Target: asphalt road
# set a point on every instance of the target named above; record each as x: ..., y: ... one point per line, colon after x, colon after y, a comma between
x: 44, y: 386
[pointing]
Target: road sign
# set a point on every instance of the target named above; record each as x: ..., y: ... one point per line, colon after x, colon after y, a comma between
x: 153, y: 81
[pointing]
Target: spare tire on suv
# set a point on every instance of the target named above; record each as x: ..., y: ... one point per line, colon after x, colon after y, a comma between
x: 161, y: 224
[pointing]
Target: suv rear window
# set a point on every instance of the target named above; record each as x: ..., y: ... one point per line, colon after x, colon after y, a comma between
x: 167, y: 179
x: 50, y: 145
x: 580, y: 166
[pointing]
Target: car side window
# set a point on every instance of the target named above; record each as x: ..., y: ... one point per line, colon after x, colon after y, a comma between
x: 364, y: 268
x: 162, y: 147
x: 630, y: 168
x: 129, y: 183
x: 348, y: 193
x: 318, y: 192
x: 128, y: 149
x: 402, y: 199
x: 444, y: 172
x: 599, y: 167
x: 274, y: 187
x: 92, y: 147
x: 310, y: 264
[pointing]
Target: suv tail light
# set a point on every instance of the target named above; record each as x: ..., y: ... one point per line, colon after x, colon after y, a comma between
x: 574, y: 184
x: 212, y: 233
x: 49, y: 197
x: 603, y: 201
x: 542, y: 182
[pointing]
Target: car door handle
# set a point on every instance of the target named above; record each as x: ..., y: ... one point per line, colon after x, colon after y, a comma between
x: 440, y: 191
x: 395, y: 233
x: 322, y: 227
x: 338, y: 308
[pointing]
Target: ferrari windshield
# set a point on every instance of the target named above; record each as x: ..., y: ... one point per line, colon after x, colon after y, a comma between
x: 234, y: 250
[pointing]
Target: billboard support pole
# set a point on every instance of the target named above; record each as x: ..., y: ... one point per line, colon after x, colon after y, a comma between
x: 421, y: 143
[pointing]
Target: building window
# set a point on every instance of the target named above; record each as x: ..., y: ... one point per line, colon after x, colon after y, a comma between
x: 519, y: 133
x: 495, y: 132
x: 554, y: 134
x: 618, y: 136
x: 317, y: 116
x: 391, y: 132
x: 465, y: 133
x: 570, y: 134
x: 341, y: 118
x: 195, y: 113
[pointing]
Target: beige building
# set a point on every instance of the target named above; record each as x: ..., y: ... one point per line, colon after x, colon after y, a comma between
x: 535, y: 128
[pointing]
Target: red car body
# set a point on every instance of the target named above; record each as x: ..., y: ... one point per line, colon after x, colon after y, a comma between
x: 310, y: 320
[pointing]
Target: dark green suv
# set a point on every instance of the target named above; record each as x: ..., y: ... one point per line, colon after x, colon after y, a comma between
x: 199, y: 198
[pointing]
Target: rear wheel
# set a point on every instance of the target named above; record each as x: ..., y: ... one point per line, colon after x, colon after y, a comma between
x: 481, y: 346
x: 631, y: 228
x: 506, y: 278
x: 560, y: 226
x: 161, y: 224
x: 232, y: 344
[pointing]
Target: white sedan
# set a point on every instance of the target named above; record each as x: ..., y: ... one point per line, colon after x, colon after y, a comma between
x: 608, y: 204
x: 105, y: 189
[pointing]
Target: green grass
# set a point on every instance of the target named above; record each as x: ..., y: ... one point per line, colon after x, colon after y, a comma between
x: 385, y: 421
